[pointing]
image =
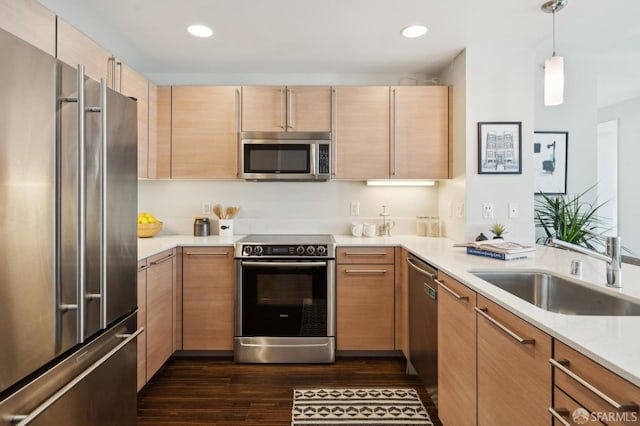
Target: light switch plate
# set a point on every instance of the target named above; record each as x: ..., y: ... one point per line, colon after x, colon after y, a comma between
x: 514, y: 210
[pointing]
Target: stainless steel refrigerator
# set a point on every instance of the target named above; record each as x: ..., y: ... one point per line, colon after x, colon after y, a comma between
x: 68, y: 190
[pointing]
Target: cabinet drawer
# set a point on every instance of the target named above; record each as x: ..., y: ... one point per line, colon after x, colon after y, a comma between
x: 158, y: 258
x: 565, y: 407
x: 607, y: 383
x: 365, y: 255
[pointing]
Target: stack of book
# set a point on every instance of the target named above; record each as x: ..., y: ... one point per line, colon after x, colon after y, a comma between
x: 497, y: 249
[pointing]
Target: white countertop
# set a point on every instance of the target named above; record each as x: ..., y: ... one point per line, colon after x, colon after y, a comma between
x: 613, y: 341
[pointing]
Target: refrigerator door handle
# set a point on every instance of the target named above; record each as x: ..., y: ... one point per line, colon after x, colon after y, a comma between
x: 82, y: 206
x: 103, y: 202
x: 25, y: 419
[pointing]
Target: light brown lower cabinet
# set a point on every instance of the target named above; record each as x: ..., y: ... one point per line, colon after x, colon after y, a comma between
x: 365, y: 298
x: 142, y: 322
x: 514, y: 378
x: 159, y: 324
x: 606, y: 396
x: 207, y: 298
x: 456, y: 352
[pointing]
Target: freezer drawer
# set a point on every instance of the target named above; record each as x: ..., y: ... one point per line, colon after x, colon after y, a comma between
x: 94, y: 386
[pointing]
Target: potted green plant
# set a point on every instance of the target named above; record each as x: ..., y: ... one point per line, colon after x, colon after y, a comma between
x: 570, y: 219
x: 497, y: 229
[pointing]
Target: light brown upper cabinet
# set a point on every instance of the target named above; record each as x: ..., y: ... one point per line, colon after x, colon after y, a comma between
x: 30, y: 21
x: 159, y: 165
x: 204, y: 127
x: 136, y: 86
x: 419, y: 132
x: 290, y: 108
x: 360, y: 132
x: 76, y: 48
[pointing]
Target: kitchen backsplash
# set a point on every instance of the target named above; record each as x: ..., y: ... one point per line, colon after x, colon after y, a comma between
x: 285, y: 207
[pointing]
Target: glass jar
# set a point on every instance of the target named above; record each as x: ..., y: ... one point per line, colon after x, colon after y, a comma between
x: 421, y: 226
x: 433, y: 227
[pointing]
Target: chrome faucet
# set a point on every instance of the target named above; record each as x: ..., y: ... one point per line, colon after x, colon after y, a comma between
x: 612, y: 257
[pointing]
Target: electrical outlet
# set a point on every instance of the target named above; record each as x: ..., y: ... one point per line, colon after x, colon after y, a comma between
x: 354, y: 209
x: 487, y: 210
x: 514, y: 210
x: 459, y: 210
x: 206, y: 207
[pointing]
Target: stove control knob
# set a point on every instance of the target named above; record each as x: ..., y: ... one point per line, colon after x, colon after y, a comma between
x: 311, y: 250
x: 247, y: 250
x: 258, y: 250
x: 300, y: 250
x: 321, y: 250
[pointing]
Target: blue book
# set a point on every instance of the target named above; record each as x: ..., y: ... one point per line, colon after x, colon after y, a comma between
x: 495, y: 255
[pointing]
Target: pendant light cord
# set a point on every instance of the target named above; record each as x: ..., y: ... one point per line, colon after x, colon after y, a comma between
x: 554, y: 32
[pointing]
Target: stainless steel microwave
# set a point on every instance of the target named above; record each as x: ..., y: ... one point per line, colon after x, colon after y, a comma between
x: 286, y: 155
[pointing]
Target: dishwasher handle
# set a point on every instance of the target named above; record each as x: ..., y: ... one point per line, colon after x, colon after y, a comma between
x: 429, y: 274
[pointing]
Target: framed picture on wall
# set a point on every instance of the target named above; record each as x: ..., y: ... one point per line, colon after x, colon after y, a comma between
x: 500, y: 148
x: 550, y: 162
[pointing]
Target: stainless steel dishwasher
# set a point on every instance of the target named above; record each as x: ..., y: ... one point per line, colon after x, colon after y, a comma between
x: 423, y: 324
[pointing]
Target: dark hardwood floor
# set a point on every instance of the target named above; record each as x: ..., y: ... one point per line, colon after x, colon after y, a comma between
x: 216, y: 391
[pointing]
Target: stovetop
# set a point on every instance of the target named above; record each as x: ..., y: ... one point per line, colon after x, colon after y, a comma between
x: 286, y: 246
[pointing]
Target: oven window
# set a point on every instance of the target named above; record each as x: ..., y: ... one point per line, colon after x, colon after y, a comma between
x: 284, y: 301
x: 269, y: 158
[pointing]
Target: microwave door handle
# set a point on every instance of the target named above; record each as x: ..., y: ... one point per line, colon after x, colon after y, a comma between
x: 314, y: 159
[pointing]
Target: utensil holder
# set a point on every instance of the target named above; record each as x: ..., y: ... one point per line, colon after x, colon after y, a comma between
x: 225, y: 227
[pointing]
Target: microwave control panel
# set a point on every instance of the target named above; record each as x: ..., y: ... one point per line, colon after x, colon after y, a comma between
x: 323, y: 159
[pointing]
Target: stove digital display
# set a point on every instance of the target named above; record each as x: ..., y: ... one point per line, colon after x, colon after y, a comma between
x: 279, y: 250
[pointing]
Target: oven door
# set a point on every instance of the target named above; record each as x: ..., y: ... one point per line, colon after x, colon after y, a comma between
x: 285, y: 298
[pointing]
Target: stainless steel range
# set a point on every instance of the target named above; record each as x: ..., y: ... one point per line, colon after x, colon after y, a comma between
x: 285, y: 299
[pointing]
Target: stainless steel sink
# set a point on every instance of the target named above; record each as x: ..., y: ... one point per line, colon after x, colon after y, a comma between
x: 557, y: 294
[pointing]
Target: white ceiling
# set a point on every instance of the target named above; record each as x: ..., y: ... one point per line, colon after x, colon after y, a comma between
x: 350, y: 36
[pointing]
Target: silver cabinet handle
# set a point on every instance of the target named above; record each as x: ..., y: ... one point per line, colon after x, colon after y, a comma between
x: 563, y: 365
x: 290, y: 109
x: 334, y: 131
x: 365, y: 271
x: 25, y: 419
x: 393, y: 122
x: 422, y: 271
x: 559, y: 414
x: 283, y: 107
x: 365, y: 253
x: 451, y: 292
x: 164, y: 259
x: 237, y: 129
x: 208, y: 253
x: 521, y: 340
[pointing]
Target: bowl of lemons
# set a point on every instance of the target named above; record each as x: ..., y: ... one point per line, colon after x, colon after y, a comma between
x: 148, y: 225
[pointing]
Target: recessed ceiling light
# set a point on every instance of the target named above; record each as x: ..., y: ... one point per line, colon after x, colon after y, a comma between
x: 413, y: 31
x: 200, y: 30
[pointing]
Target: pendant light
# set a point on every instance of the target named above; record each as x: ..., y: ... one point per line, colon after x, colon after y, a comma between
x: 554, y: 66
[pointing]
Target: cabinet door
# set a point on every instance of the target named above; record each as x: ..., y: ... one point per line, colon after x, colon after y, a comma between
x: 142, y: 322
x: 76, y: 48
x: 360, y: 132
x: 207, y: 292
x: 30, y: 21
x: 420, y: 132
x: 160, y: 146
x: 570, y: 363
x: 456, y: 352
x: 204, y: 132
x: 309, y: 109
x: 264, y: 108
x: 136, y: 85
x: 365, y: 307
x: 514, y: 377
x: 159, y: 311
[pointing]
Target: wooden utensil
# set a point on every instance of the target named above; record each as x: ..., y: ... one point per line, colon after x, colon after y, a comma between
x: 217, y: 210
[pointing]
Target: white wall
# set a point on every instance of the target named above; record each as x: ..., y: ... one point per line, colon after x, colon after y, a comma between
x: 628, y: 115
x: 490, y: 85
x: 285, y: 207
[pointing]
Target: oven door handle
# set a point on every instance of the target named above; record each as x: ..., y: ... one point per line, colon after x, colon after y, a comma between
x: 280, y: 264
